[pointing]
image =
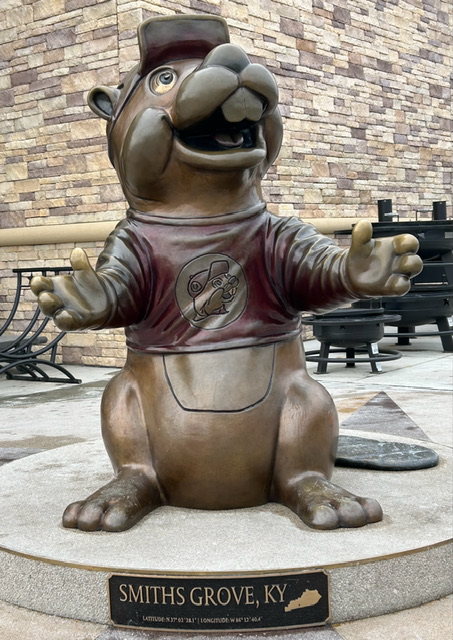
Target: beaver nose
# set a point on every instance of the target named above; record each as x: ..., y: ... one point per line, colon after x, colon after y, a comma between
x: 242, y: 105
x: 227, y: 55
x: 257, y: 94
x: 225, y: 78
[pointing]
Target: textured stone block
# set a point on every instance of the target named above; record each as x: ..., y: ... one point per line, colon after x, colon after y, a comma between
x: 46, y: 8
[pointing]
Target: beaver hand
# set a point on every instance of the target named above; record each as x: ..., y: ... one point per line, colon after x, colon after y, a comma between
x: 383, y: 266
x: 77, y: 301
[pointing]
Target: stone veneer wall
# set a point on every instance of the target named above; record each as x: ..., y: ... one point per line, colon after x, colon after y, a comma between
x: 365, y: 96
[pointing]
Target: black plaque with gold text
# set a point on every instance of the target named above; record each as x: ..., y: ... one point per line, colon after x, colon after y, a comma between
x: 205, y: 603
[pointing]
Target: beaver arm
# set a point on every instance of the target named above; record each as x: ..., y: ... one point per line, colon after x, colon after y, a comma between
x: 325, y: 281
x: 313, y: 269
x: 125, y: 270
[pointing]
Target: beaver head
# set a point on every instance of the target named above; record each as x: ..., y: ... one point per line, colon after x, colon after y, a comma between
x: 194, y: 127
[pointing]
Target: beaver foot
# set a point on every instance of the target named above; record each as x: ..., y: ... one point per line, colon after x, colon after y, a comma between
x: 116, y: 506
x: 323, y: 505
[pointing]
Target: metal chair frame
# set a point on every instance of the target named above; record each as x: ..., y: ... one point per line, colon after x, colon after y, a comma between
x: 20, y: 360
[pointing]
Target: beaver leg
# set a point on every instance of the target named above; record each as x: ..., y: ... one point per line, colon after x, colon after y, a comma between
x: 305, y: 459
x: 134, y: 491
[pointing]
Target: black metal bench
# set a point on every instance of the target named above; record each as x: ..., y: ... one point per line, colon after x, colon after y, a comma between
x: 27, y: 355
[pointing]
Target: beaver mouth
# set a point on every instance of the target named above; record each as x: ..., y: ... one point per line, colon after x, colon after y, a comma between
x: 217, y: 134
x: 229, y: 295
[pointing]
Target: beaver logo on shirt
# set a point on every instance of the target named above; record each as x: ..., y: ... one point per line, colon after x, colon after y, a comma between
x: 211, y: 291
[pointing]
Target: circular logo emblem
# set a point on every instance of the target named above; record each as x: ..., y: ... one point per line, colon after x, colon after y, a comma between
x: 211, y: 291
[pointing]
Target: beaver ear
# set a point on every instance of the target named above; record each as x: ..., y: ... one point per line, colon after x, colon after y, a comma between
x: 102, y: 101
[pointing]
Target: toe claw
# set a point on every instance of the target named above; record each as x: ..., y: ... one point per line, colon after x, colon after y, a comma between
x: 117, y: 519
x: 69, y: 519
x: 373, y: 510
x: 352, y: 514
x: 89, y: 516
x: 323, y: 517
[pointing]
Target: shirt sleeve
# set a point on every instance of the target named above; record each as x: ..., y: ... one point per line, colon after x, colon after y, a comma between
x: 309, y: 268
x: 124, y: 266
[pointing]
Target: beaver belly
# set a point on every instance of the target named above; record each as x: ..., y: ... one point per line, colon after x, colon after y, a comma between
x: 217, y: 460
x: 213, y: 428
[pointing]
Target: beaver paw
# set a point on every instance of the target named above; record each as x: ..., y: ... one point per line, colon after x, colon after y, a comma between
x: 323, y: 505
x: 117, y: 506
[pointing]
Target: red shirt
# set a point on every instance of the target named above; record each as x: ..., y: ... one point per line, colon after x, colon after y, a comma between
x: 215, y: 283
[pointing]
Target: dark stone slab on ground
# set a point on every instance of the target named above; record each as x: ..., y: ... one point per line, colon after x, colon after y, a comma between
x: 366, y: 453
x: 8, y: 454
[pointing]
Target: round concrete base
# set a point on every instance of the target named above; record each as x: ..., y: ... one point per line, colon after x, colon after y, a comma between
x: 398, y: 563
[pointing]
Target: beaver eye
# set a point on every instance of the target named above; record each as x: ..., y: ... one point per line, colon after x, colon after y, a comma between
x: 195, y: 287
x: 163, y: 81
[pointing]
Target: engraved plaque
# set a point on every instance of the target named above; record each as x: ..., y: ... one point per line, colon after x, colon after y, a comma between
x: 205, y: 603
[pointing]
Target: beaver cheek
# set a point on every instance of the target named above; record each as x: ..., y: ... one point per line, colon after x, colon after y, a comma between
x: 145, y: 152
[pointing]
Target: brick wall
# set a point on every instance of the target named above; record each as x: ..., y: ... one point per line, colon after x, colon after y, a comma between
x: 365, y: 96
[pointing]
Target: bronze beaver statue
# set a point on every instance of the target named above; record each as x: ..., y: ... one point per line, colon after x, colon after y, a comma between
x: 214, y: 408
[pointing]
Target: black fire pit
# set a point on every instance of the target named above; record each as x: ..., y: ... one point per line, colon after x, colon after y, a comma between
x: 351, y: 331
x: 430, y: 300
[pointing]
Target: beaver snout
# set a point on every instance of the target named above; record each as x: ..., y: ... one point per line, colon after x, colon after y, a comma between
x: 226, y: 79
